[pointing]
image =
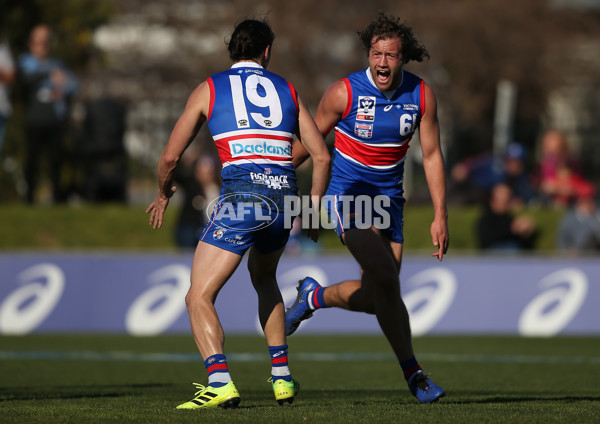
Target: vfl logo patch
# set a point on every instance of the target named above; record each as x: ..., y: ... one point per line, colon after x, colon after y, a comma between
x: 363, y: 130
x: 218, y: 233
x: 366, y: 109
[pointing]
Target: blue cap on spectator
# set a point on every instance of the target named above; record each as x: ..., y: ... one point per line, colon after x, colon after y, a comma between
x: 515, y: 150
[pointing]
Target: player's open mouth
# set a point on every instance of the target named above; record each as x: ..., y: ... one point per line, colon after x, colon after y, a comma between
x: 383, y: 76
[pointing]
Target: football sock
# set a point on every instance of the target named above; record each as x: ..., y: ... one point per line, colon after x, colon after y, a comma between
x: 315, y: 298
x: 218, y: 373
x: 410, y: 367
x: 279, y: 363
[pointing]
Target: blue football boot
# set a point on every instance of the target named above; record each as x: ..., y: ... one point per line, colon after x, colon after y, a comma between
x: 301, y: 309
x: 425, y: 390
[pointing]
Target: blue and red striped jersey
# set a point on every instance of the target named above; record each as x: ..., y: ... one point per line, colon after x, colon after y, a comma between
x: 372, y: 138
x: 253, y: 116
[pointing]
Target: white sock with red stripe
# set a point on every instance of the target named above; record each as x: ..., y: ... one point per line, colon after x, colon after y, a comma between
x: 279, y: 363
x: 218, y: 372
x: 315, y: 299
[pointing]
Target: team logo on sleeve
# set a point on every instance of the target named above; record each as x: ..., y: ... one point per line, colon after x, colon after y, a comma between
x: 363, y: 130
x: 366, y: 109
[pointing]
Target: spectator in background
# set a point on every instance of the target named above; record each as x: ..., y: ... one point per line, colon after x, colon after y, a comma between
x: 579, y: 229
x: 101, y: 151
x: 559, y: 172
x: 516, y: 175
x: 561, y: 190
x: 201, y: 183
x: 499, y: 229
x: 48, y: 87
x: 7, y: 77
x: 475, y: 176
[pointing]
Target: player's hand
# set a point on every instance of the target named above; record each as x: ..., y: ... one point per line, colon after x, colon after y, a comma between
x: 312, y: 219
x: 440, y: 238
x: 313, y: 233
x: 157, y: 209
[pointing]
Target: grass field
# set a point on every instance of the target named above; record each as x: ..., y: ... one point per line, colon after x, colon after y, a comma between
x: 122, y: 227
x: 122, y: 379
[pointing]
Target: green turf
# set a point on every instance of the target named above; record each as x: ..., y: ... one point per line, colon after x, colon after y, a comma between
x: 120, y: 227
x: 113, y: 379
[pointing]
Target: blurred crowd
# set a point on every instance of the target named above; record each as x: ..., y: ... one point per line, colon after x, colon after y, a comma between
x: 60, y: 161
x: 506, y: 187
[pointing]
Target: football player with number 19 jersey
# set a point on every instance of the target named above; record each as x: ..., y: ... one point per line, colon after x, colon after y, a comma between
x: 253, y: 115
x: 252, y: 118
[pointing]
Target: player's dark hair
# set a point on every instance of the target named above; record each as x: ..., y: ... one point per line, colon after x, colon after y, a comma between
x: 385, y: 27
x: 249, y: 39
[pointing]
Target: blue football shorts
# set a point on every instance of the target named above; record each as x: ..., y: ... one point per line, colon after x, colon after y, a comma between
x: 237, y: 227
x: 348, y: 209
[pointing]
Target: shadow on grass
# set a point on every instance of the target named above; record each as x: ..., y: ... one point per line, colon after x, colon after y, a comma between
x: 75, y: 392
x: 521, y: 398
x: 354, y: 398
x: 257, y: 400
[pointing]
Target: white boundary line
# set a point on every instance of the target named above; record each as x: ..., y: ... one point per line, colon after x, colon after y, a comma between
x: 308, y: 357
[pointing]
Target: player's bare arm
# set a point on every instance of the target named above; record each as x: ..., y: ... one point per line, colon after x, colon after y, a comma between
x: 313, y: 143
x: 331, y: 107
x: 433, y: 164
x: 330, y: 110
x: 186, y: 128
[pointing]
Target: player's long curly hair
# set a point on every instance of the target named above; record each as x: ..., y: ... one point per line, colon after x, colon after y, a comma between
x: 385, y: 27
x: 249, y: 39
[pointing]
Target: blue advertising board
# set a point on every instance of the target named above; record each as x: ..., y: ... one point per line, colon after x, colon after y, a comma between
x: 143, y: 294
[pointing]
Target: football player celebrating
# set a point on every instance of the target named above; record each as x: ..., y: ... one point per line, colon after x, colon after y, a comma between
x: 375, y: 113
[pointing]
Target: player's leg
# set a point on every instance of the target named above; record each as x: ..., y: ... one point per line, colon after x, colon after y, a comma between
x: 211, y: 268
x: 350, y: 294
x: 354, y: 295
x: 389, y: 307
x: 263, y: 268
x: 380, y: 291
